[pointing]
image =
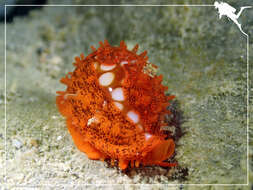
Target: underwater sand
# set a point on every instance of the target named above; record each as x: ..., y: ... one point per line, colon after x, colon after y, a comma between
x: 202, y: 59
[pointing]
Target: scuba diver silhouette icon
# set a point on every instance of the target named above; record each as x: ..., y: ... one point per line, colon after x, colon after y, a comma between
x: 225, y: 9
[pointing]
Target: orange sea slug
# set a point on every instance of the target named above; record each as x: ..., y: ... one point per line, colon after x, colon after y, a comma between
x: 115, y: 107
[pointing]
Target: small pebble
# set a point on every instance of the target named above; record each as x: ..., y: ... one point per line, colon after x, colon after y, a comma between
x: 59, y: 138
x: 17, y: 144
x: 34, y: 142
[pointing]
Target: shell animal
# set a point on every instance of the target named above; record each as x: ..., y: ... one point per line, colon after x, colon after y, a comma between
x: 115, y: 107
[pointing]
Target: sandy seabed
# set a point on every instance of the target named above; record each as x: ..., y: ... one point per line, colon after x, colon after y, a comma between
x: 202, y: 59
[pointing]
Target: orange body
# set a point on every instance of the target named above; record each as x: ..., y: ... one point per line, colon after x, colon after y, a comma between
x: 114, y: 109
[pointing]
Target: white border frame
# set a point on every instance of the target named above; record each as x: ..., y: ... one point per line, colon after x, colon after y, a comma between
x: 123, y: 5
